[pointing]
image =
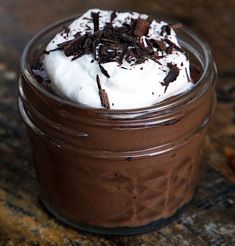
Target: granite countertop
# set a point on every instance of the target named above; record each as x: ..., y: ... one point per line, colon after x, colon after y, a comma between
x: 210, y: 219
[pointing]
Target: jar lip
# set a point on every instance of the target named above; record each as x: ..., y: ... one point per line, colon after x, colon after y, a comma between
x: 172, y: 102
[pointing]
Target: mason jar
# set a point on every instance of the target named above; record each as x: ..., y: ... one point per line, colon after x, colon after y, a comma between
x: 117, y: 172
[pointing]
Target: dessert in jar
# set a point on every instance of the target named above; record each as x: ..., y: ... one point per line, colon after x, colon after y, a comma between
x: 117, y: 106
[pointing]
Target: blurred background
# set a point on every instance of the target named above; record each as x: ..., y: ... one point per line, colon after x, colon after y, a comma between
x: 211, y: 217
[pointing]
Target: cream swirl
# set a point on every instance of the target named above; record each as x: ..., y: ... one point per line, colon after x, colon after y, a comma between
x: 129, y: 85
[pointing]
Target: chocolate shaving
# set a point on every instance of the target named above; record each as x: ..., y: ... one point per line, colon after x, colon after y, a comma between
x: 169, y: 42
x: 142, y: 27
x: 171, y: 76
x: 150, y: 46
x: 95, y: 17
x: 103, y: 95
x: 88, y: 28
x: 113, y: 16
x: 75, y: 46
x: 169, y: 49
x: 47, y: 52
x: 128, y: 39
x: 77, y: 34
x: 64, y: 44
x: 155, y: 58
x: 98, y: 82
x: 88, y: 42
x: 165, y: 29
x: 150, y: 19
x: 104, y: 71
x: 79, y: 54
x: 86, y: 18
x: 66, y: 31
x: 39, y: 78
x: 160, y: 45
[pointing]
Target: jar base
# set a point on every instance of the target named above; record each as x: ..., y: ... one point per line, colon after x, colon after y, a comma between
x: 119, y: 231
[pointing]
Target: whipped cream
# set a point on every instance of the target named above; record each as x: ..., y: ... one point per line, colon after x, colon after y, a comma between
x: 129, y: 85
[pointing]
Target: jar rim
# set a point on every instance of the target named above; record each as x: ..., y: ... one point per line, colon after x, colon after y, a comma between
x: 180, y: 99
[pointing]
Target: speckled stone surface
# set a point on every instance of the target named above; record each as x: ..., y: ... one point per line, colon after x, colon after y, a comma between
x: 210, y: 219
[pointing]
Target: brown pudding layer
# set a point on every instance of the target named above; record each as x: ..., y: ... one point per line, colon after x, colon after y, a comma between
x: 115, y: 172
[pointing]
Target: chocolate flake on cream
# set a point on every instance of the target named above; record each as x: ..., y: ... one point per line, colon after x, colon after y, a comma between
x: 103, y: 95
x: 165, y: 29
x: 171, y: 76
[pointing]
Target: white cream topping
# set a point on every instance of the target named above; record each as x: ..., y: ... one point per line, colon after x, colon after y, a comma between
x: 136, y: 86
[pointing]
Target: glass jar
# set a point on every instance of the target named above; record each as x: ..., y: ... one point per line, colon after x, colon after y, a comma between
x: 117, y: 171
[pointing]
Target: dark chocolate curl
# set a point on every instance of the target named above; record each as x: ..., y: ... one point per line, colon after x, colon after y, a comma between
x: 142, y: 27
x: 171, y: 76
x: 103, y: 95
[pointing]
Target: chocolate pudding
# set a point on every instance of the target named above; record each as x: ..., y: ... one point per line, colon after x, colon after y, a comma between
x: 105, y: 168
